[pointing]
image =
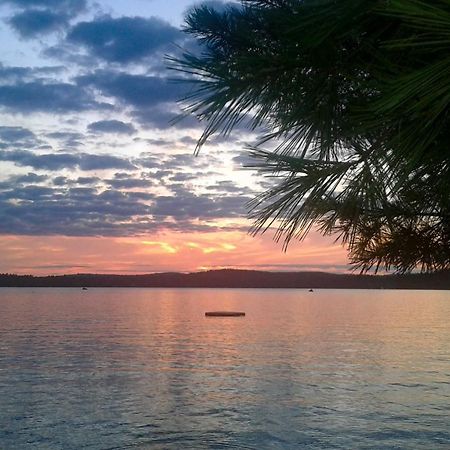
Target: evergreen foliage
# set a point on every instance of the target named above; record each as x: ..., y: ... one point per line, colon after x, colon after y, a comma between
x: 355, y: 96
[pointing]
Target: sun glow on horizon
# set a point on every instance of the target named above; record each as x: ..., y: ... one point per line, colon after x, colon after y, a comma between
x: 165, y: 252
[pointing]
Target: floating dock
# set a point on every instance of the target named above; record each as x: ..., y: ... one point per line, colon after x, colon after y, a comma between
x: 224, y: 313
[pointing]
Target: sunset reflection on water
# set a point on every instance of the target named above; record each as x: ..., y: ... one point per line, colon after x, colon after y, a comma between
x: 328, y: 369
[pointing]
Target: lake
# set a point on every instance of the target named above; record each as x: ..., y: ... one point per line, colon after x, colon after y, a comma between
x: 144, y: 368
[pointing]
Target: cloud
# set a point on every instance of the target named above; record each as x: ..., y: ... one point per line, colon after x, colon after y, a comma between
x: 9, y: 74
x: 120, y: 206
x: 33, y: 22
x: 46, y: 202
x: 152, y: 98
x: 72, y: 212
x: 230, y: 188
x: 181, y: 177
x: 13, y: 74
x: 185, y: 205
x: 18, y: 180
x: 68, y: 138
x: 38, y: 210
x: 15, y: 134
x: 58, y: 161
x: 65, y: 135
x: 112, y: 126
x: 129, y: 183
x: 124, y: 180
x: 124, y: 39
x: 49, y: 162
x: 163, y: 117
x: 72, y: 6
x: 53, y: 97
x: 134, y: 90
x: 101, y: 162
x: 61, y: 181
x: 30, y: 178
x: 148, y: 160
x: 87, y: 180
x: 37, y: 17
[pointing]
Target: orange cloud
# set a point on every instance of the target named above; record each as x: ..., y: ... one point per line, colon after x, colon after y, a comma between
x: 164, y: 246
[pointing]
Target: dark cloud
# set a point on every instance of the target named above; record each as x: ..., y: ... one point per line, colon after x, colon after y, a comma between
x: 229, y: 187
x: 58, y: 161
x: 69, y: 54
x: 49, y: 162
x: 68, y: 138
x: 160, y: 142
x: 188, y: 140
x: 47, y: 97
x: 182, y: 177
x: 187, y: 205
x: 124, y: 39
x: 121, y: 175
x: 148, y: 161
x: 178, y: 167
x: 73, y: 212
x: 164, y: 117
x: 153, y: 98
x: 120, y: 206
x: 101, y: 162
x: 9, y: 74
x: 129, y: 183
x: 72, y: 6
x: 179, y: 162
x: 60, y: 181
x: 112, y: 126
x: 140, y: 195
x: 17, y: 180
x: 33, y: 22
x: 14, y: 134
x: 140, y: 91
x: 87, y: 180
x: 13, y: 74
x: 162, y: 174
x: 129, y: 202
x: 31, y: 193
x: 30, y: 178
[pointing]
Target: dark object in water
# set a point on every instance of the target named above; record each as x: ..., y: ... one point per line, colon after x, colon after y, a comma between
x: 84, y: 289
x: 224, y: 313
x: 310, y: 290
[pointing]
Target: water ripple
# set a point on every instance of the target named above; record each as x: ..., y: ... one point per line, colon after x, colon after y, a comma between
x: 143, y: 368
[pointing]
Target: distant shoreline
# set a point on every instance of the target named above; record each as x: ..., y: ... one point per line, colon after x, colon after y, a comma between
x: 231, y: 278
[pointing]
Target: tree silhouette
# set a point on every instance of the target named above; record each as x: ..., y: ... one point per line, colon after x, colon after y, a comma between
x: 354, y: 96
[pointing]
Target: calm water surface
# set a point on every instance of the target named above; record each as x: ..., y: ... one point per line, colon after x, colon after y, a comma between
x: 143, y: 368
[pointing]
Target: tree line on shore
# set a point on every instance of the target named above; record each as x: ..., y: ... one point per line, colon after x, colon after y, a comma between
x: 229, y: 278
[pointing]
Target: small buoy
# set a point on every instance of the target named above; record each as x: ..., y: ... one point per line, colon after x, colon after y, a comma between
x: 224, y: 313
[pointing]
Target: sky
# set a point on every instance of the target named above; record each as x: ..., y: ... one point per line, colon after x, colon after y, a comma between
x: 94, y: 176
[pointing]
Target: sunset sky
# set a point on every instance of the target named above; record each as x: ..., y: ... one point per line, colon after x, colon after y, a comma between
x: 93, y: 176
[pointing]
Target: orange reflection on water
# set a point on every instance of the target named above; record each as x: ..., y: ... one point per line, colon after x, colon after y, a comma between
x: 356, y: 359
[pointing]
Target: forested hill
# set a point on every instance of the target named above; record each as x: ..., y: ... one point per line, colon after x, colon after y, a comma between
x: 229, y: 278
